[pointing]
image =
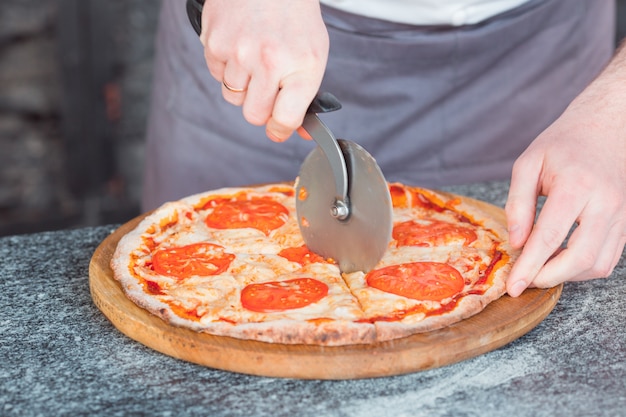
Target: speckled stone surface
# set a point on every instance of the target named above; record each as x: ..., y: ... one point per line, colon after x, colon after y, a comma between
x: 60, y: 356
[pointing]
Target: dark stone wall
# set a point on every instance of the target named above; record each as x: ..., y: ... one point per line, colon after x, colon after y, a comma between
x: 75, y: 78
x: 75, y: 81
x: 30, y: 154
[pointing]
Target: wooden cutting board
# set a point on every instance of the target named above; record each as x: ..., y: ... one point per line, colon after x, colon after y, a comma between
x: 503, y: 321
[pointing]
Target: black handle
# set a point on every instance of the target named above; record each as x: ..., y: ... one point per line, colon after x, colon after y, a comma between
x: 194, y: 12
x: 324, y: 102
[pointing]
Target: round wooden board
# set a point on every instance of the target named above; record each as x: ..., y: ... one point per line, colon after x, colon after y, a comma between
x: 503, y: 321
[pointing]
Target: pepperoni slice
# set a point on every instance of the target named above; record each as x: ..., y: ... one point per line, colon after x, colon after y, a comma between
x: 431, y: 281
x: 195, y: 259
x: 263, y: 214
x: 436, y: 233
x: 283, y: 295
x: 301, y: 255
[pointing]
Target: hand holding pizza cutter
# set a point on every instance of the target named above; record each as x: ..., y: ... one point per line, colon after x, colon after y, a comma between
x: 342, y: 198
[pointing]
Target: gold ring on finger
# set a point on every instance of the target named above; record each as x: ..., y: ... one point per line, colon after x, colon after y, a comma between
x: 231, y: 88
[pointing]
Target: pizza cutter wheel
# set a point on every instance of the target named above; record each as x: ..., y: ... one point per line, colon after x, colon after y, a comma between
x: 342, y: 198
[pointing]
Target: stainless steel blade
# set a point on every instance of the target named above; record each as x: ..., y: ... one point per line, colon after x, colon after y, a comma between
x: 358, y: 241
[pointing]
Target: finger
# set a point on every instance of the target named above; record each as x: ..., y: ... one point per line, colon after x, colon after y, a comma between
x: 586, y: 248
x: 234, y: 84
x: 214, y: 58
x: 607, y: 259
x: 261, y: 95
x: 551, y: 229
x: 609, y: 245
x: 290, y: 107
x: 303, y: 133
x: 216, y: 68
x: 521, y: 203
x: 593, y: 252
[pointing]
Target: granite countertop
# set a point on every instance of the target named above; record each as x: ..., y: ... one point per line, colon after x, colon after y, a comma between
x: 59, y: 355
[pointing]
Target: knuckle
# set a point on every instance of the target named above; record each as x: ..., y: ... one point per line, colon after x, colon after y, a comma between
x: 602, y: 270
x: 280, y: 131
x: 545, y: 283
x: 590, y: 266
x: 511, y: 206
x: 256, y: 112
x: 605, y: 272
x: 285, y: 123
x: 519, y: 165
x: 255, y: 118
x: 522, y: 164
x: 213, y: 49
x: 586, y: 262
x: 614, y: 202
x: 552, y: 238
x: 271, y: 56
x: 232, y: 100
x: 543, y: 280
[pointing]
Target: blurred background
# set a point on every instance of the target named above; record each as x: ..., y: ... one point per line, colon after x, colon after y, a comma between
x: 75, y: 80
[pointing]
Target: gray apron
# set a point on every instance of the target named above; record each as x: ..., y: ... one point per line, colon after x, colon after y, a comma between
x: 434, y: 105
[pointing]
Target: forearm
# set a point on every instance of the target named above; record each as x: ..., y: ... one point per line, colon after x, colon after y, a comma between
x: 607, y: 93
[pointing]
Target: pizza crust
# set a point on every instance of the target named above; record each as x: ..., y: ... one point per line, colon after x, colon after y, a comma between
x: 327, y: 333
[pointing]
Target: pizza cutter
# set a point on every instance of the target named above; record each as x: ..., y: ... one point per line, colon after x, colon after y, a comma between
x: 342, y: 198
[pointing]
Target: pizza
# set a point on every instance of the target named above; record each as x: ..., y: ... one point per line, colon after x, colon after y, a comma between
x: 232, y: 262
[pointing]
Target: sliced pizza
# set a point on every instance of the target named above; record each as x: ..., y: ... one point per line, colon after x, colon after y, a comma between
x: 231, y: 262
